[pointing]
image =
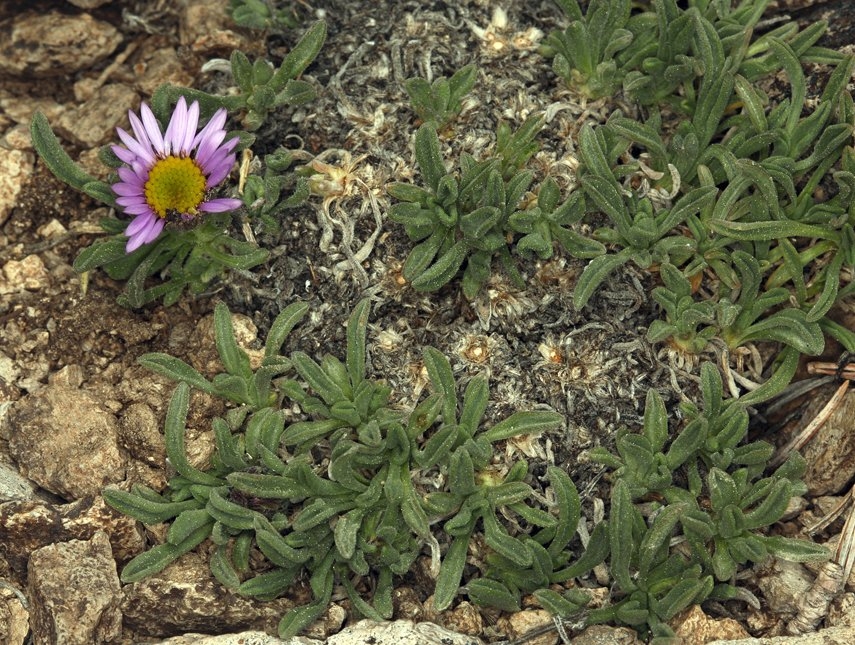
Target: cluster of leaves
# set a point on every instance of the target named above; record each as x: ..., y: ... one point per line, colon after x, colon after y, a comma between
x: 262, y: 14
x: 439, y: 102
x: 721, y: 201
x: 262, y: 88
x: 746, y: 217
x: 651, y: 55
x: 472, y: 217
x: 705, y: 500
x: 190, y: 258
x: 266, y: 196
x: 360, y: 488
x: 337, y: 496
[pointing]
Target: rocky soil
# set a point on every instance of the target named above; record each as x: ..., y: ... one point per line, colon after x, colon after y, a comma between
x: 77, y: 413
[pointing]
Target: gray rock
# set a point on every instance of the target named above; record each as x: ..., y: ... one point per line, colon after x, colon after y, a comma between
x: 74, y: 593
x: 243, y: 638
x: 605, y: 635
x: 830, y: 454
x: 64, y: 440
x: 783, y: 585
x: 94, y: 122
x: 840, y: 635
x: 26, y: 526
x: 54, y: 44
x: 398, y: 632
x: 185, y: 597
x: 89, y: 4
x: 14, y: 617
x: 13, y: 486
x: 16, y: 166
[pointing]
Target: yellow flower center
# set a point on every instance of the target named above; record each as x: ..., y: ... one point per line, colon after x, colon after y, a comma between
x: 175, y: 184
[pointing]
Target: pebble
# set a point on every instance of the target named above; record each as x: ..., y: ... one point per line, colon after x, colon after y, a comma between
x: 16, y: 166
x: 55, y: 44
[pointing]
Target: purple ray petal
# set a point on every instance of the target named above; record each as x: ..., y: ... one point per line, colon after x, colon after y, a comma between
x: 177, y: 127
x: 208, y: 146
x: 140, y: 209
x: 154, y: 231
x: 131, y: 200
x: 128, y: 176
x: 152, y: 129
x: 220, y: 205
x: 216, y: 123
x: 140, y: 151
x: 190, y: 127
x: 140, y: 222
x: 124, y: 154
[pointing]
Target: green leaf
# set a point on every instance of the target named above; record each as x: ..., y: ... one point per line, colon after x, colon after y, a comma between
x: 687, y: 443
x: 282, y: 326
x: 592, y: 147
x: 241, y: 71
x: 438, y: 446
x: 595, y: 274
x: 596, y: 552
x: 357, y: 326
x: 607, y: 197
x: 235, y: 360
x: 317, y: 379
x: 175, y: 369
x: 297, y: 619
x: 296, y: 93
x: 450, y: 573
x: 413, y: 513
x: 303, y: 53
x: 145, y: 510
x: 788, y: 362
x: 361, y: 606
x: 492, y: 593
x: 655, y: 420
x: 461, y: 83
x: 556, y: 604
x: 346, y: 531
x: 520, y: 423
x: 657, y: 538
x: 428, y: 156
x: 275, y: 547
x: 569, y: 509
x: 476, y: 224
x: 767, y: 231
x: 266, y: 486
x: 680, y: 596
x: 722, y: 488
x: 176, y: 417
x: 752, y: 104
x: 158, y: 557
x: 270, y: 585
x: 232, y: 515
x: 101, y: 253
x: 408, y: 193
x: 620, y: 536
x: 475, y: 400
x: 55, y: 158
x: 772, y: 508
x: 443, y: 269
x: 796, y: 550
x: 223, y: 569
x: 830, y: 289
x: 442, y: 379
x: 790, y: 327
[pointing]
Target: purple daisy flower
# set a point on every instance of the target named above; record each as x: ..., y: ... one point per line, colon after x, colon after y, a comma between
x: 171, y: 173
